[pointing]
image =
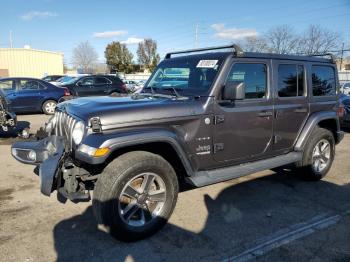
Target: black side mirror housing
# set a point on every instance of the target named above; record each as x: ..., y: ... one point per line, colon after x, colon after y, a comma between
x: 234, y: 91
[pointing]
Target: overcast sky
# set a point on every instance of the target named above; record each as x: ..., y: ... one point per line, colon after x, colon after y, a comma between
x: 59, y: 25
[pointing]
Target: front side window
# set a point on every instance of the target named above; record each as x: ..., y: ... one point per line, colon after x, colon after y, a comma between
x: 28, y: 85
x: 323, y: 81
x: 188, y: 75
x: 290, y: 80
x: 6, y: 85
x: 86, y: 81
x: 254, y: 77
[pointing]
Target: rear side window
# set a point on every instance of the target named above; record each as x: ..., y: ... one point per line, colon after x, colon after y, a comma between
x: 29, y: 85
x: 290, y: 80
x: 323, y: 81
x: 102, y: 81
x: 254, y: 77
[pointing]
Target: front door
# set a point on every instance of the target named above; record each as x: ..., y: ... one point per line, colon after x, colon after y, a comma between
x: 85, y: 86
x: 291, y: 104
x: 243, y: 128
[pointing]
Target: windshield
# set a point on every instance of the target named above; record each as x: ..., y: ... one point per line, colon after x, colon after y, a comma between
x: 190, y: 75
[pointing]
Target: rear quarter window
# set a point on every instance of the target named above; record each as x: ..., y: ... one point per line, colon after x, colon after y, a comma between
x: 323, y: 81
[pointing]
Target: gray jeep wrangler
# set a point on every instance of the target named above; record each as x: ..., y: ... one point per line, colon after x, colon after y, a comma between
x: 201, y: 119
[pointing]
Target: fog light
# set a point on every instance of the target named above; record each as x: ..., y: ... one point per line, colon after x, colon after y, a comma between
x: 32, y: 155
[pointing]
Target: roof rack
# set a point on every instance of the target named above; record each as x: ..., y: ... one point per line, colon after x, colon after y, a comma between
x: 331, y: 56
x: 237, y: 50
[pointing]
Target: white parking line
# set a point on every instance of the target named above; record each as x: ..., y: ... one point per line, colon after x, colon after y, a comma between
x: 286, y: 236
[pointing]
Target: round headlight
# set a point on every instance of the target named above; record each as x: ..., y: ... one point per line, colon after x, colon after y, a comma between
x: 78, y: 132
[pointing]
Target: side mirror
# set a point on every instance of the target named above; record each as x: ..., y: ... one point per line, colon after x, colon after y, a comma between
x: 79, y: 84
x: 234, y: 91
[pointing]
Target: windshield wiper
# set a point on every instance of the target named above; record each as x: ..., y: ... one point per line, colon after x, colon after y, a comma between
x: 155, y: 94
x: 177, y: 95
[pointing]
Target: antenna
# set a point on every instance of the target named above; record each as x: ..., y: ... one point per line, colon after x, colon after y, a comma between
x: 11, y: 42
x: 196, y: 36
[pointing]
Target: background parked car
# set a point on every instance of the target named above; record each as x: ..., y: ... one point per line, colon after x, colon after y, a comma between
x: 344, y: 111
x: 51, y: 78
x: 345, y: 88
x: 32, y: 95
x: 131, y: 85
x: 96, y: 85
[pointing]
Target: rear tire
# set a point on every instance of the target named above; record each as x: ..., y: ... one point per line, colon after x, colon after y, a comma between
x: 318, y: 155
x: 49, y: 107
x: 135, y: 195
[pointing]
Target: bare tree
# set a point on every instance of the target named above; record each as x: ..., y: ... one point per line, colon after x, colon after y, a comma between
x: 147, y: 54
x: 317, y: 40
x: 255, y: 44
x: 282, y: 40
x: 84, y: 57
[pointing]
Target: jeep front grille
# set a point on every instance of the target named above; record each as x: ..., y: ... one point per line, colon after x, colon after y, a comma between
x: 64, y: 127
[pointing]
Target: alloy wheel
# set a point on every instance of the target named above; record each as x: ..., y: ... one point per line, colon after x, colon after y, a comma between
x: 142, y: 199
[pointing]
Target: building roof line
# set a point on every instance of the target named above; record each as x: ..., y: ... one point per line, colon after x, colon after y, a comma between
x: 30, y: 49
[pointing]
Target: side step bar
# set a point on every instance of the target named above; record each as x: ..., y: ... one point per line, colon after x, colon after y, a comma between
x: 203, y: 178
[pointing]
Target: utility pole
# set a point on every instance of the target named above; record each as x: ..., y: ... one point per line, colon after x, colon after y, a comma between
x: 196, y: 36
x: 342, y: 55
x: 11, y: 42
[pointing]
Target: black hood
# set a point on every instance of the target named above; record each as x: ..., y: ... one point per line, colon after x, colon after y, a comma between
x: 120, y: 110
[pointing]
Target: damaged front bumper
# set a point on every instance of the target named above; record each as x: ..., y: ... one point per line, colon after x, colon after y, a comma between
x: 46, y: 154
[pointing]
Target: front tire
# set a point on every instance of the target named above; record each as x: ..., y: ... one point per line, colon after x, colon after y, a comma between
x: 135, y: 195
x: 49, y: 107
x: 318, y: 154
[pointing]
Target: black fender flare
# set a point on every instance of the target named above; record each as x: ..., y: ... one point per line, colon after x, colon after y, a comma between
x: 312, y: 122
x: 133, y: 138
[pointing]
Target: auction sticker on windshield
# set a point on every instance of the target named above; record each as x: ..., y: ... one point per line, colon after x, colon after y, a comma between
x: 207, y: 63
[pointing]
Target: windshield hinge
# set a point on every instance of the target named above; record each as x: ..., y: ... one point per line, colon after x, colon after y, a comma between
x: 96, y: 125
x: 218, y: 119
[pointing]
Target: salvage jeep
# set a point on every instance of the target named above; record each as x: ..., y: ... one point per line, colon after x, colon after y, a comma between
x: 204, y: 116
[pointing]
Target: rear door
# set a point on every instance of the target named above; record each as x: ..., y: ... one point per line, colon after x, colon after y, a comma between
x: 291, y: 103
x: 102, y: 85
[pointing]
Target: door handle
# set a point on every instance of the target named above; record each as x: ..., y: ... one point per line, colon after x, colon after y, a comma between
x: 300, y: 110
x: 265, y: 114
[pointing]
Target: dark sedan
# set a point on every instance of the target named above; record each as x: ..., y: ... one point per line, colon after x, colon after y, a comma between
x: 32, y: 95
x: 96, y: 85
x: 344, y: 111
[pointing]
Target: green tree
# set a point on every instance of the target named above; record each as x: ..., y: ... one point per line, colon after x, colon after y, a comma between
x: 119, y: 57
x: 147, y: 54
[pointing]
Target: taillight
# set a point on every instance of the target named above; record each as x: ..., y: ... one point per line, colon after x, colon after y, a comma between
x: 341, y: 111
x: 66, y: 92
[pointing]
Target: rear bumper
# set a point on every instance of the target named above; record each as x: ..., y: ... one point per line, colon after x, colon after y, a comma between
x: 46, y: 153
